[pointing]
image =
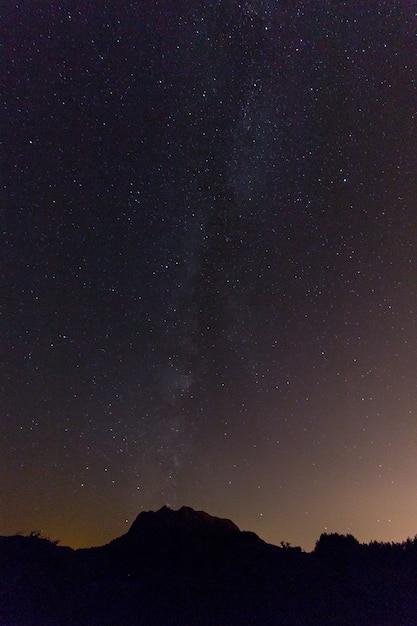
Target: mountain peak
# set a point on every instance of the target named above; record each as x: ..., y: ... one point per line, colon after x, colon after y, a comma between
x: 184, y: 520
x: 171, y: 539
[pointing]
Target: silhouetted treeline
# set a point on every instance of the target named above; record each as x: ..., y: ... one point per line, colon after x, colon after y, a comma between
x: 187, y: 568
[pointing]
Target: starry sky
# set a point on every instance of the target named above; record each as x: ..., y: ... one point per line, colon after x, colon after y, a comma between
x: 209, y: 266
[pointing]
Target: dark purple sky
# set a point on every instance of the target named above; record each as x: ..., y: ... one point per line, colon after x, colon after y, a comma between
x: 209, y: 266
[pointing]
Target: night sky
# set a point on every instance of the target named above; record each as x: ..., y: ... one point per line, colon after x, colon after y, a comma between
x: 209, y: 266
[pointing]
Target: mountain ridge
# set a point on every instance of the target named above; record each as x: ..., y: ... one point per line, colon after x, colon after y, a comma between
x: 185, y: 567
x: 185, y: 517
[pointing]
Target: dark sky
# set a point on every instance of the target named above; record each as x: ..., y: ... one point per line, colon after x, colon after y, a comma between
x: 209, y: 266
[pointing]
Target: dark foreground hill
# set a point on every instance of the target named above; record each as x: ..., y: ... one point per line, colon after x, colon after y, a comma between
x: 187, y: 568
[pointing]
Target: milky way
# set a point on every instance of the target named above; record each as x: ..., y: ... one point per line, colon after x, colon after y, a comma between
x: 209, y: 266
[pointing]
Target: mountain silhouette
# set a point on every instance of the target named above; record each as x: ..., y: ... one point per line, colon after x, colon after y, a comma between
x: 170, y: 538
x: 188, y: 568
x: 185, y: 520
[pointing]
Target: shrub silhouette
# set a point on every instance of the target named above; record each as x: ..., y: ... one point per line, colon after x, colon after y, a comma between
x: 334, y: 547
